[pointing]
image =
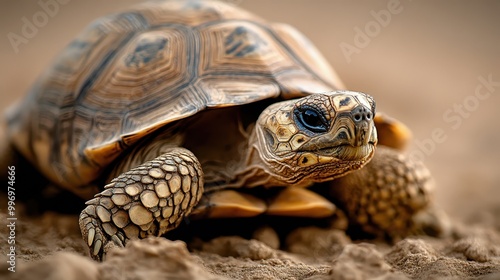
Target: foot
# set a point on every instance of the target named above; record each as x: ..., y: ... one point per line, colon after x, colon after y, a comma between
x: 150, y: 199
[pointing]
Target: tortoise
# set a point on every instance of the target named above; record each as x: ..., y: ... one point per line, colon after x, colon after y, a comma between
x: 173, y: 108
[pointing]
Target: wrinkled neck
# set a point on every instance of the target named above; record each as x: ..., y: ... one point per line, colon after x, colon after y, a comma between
x: 253, y: 170
x: 257, y: 171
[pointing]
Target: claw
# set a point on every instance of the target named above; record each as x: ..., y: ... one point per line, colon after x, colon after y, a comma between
x: 90, y: 237
x: 117, y: 241
x: 121, y: 236
x: 97, y: 247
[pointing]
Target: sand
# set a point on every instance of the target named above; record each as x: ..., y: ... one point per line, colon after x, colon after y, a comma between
x: 422, y: 67
x: 50, y: 247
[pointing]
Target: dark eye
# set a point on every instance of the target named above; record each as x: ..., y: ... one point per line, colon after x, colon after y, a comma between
x: 311, y: 119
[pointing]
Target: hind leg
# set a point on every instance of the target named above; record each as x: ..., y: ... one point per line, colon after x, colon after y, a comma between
x: 150, y: 199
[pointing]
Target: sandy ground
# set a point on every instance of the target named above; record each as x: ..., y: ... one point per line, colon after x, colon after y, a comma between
x: 423, y: 66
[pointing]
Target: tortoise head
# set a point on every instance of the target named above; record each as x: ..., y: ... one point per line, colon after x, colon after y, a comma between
x: 317, y: 138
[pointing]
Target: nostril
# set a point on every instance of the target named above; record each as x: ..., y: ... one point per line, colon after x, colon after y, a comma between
x: 361, y: 114
x: 357, y: 117
x: 368, y: 116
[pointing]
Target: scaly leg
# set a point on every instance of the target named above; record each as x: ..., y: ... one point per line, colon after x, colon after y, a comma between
x: 385, y: 195
x: 150, y: 199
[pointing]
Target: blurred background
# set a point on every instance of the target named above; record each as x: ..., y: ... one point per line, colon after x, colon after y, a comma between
x: 422, y: 60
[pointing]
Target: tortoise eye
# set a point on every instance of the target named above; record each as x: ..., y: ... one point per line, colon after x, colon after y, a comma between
x: 311, y: 119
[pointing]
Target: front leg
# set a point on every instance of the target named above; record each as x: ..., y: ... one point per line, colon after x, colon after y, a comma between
x: 150, y: 199
x: 385, y: 196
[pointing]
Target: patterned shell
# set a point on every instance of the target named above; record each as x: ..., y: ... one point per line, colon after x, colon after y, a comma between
x: 132, y: 73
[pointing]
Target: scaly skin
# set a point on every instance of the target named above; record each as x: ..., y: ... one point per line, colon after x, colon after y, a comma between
x: 385, y: 195
x: 147, y: 200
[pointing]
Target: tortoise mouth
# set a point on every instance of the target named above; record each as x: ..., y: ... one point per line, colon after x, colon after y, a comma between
x: 348, y: 152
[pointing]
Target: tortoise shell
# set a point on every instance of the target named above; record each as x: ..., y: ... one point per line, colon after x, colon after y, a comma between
x: 130, y: 74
